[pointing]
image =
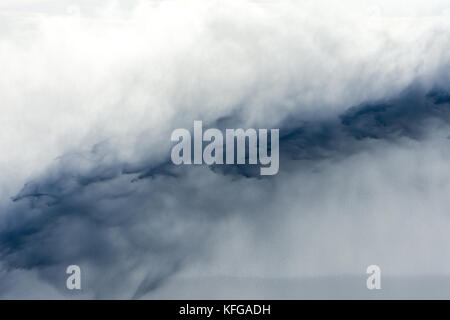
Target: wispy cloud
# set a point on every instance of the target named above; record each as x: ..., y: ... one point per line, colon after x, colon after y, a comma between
x: 89, y: 100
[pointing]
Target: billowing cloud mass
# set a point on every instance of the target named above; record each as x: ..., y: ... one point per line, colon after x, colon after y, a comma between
x: 91, y: 90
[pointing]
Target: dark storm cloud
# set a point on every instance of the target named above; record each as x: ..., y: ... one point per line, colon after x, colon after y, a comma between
x: 407, y: 115
x: 133, y: 73
x: 133, y: 225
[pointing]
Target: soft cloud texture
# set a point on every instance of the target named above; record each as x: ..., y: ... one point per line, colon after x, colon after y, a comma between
x: 91, y: 92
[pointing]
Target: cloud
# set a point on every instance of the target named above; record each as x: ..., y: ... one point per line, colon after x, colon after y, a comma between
x: 90, y: 100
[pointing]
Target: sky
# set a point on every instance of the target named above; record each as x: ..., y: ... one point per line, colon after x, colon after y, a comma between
x: 91, y: 90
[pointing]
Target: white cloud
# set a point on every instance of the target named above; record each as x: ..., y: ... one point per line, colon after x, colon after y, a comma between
x: 74, y: 74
